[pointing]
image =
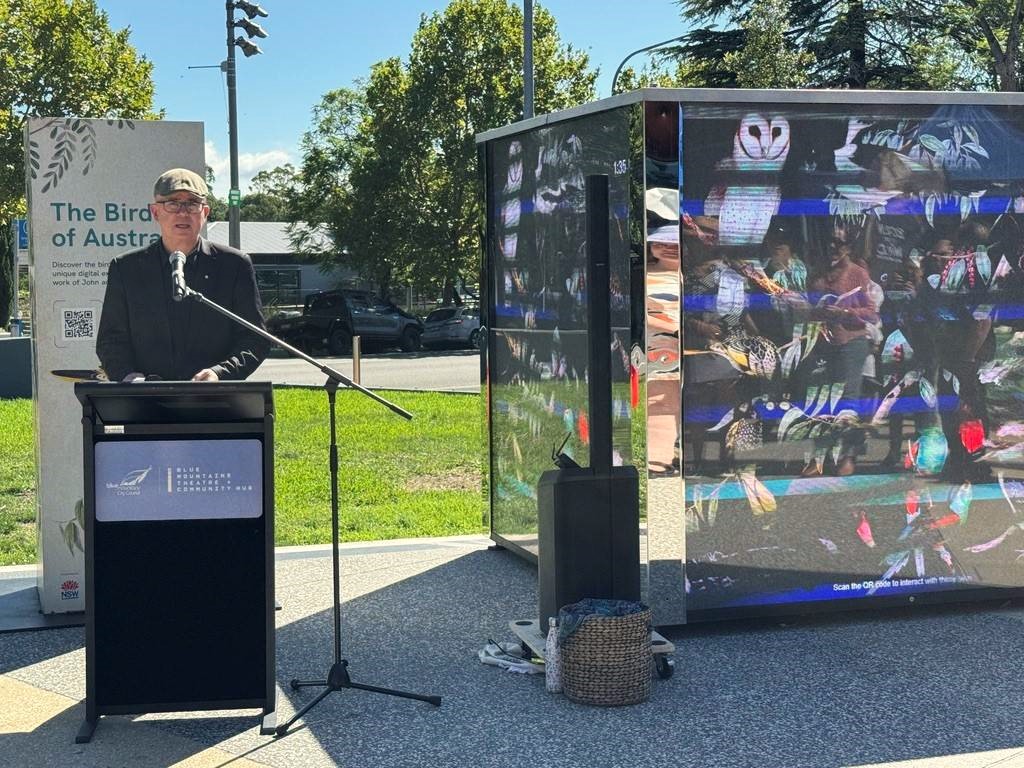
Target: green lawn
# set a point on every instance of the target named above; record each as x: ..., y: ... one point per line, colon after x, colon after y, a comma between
x: 17, y: 483
x: 398, y: 478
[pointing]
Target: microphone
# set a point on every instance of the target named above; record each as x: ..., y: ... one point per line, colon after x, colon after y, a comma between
x: 177, y: 260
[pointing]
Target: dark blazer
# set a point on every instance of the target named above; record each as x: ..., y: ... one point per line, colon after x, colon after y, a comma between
x: 140, y: 331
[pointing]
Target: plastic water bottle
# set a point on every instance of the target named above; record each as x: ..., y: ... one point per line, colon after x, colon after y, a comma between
x: 552, y: 659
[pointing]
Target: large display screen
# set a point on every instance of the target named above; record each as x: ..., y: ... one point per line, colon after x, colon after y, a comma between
x: 853, y: 351
x: 538, y: 283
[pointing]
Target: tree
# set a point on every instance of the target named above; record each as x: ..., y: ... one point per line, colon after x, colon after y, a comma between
x: 661, y: 72
x: 391, y: 168
x: 897, y: 44
x: 359, y: 178
x: 977, y: 41
x: 765, y: 60
x: 270, y: 195
x: 856, y: 44
x: 466, y: 76
x: 218, y: 206
x: 58, y: 57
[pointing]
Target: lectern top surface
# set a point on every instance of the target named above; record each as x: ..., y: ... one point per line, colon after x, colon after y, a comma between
x: 161, y: 402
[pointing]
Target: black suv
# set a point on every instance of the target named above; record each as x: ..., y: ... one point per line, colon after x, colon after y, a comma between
x: 331, y: 318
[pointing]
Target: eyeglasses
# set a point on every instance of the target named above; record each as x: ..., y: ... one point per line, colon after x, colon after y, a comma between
x: 174, y: 206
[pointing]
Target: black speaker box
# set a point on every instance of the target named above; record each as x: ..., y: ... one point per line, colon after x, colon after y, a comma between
x: 588, y: 537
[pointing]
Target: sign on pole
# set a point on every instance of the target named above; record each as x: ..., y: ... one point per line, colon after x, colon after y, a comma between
x: 22, y: 228
x: 89, y: 184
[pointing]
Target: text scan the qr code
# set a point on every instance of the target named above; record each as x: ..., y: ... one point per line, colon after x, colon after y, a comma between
x: 79, y: 324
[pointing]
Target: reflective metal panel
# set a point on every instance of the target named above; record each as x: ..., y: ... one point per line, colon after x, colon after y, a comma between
x: 666, y: 544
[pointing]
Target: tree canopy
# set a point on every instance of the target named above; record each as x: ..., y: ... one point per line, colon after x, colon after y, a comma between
x: 268, y: 198
x: 390, y: 167
x: 894, y: 44
x: 765, y: 60
x: 58, y: 58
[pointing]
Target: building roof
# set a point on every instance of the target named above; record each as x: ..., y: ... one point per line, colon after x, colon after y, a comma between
x: 265, y: 236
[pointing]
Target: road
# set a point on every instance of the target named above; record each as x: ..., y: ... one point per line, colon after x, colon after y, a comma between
x: 443, y: 370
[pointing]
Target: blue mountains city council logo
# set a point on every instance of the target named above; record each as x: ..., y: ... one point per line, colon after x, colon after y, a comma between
x: 131, y: 483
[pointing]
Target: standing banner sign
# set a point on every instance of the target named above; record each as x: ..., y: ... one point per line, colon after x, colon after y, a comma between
x: 89, y: 185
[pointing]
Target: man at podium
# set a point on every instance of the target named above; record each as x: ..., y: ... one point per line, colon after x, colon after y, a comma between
x: 146, y: 329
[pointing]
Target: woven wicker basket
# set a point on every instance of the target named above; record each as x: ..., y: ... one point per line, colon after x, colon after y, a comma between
x: 607, y: 661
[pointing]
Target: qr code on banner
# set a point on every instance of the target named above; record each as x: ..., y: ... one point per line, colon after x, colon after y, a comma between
x: 79, y: 324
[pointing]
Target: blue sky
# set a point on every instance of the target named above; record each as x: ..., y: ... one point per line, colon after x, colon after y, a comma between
x: 317, y: 45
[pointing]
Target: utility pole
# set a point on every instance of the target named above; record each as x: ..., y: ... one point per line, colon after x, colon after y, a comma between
x: 234, y: 195
x: 527, y: 59
x: 249, y: 48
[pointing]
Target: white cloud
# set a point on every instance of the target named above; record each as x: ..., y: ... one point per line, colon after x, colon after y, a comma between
x: 249, y: 164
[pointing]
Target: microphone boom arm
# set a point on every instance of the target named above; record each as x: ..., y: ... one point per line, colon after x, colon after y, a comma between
x: 337, y: 376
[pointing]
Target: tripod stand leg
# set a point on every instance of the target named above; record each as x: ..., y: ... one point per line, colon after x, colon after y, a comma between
x: 296, y: 684
x: 435, y: 700
x: 283, y: 729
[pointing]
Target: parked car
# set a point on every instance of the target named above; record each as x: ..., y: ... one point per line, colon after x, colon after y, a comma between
x: 331, y: 318
x: 452, y: 325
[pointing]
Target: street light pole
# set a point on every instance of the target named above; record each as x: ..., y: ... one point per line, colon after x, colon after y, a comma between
x: 527, y: 59
x: 615, y: 77
x: 249, y: 49
x: 234, y: 195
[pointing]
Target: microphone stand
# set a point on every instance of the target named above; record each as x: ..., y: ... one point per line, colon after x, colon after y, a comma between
x: 337, y: 676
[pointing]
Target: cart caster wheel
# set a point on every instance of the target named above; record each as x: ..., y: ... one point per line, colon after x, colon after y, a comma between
x: 665, y: 667
x: 295, y: 684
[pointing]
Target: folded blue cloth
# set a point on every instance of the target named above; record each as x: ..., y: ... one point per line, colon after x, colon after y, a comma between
x: 572, y: 616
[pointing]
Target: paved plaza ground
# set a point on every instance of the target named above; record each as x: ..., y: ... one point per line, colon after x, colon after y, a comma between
x: 939, y: 687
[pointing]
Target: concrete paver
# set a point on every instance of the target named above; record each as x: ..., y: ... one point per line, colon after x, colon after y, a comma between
x: 930, y: 688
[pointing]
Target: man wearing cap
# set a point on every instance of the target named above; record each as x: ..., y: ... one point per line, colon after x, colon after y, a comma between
x: 145, y: 333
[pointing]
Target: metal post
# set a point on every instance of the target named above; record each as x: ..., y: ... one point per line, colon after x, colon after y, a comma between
x: 618, y: 69
x: 527, y: 59
x: 234, y: 228
x: 357, y: 357
x: 15, y: 276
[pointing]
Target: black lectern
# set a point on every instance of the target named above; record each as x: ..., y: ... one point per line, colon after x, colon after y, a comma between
x: 179, y: 548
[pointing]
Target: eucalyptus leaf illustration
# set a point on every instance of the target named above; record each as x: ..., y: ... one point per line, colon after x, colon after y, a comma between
x: 73, y: 530
x: 74, y: 140
x: 63, y: 154
x: 33, y: 157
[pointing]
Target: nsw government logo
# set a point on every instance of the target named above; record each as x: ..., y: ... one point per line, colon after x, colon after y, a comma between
x: 131, y: 484
x: 69, y: 589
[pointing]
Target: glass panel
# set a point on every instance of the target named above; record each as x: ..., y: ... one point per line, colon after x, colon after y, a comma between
x: 538, y: 260
x: 853, y: 425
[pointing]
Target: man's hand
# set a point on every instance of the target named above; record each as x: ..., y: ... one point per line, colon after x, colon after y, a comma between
x: 206, y: 375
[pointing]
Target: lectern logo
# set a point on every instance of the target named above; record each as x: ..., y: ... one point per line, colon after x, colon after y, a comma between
x: 69, y: 590
x: 131, y: 483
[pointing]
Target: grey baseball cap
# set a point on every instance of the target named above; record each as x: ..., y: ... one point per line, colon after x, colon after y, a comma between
x: 180, y: 180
